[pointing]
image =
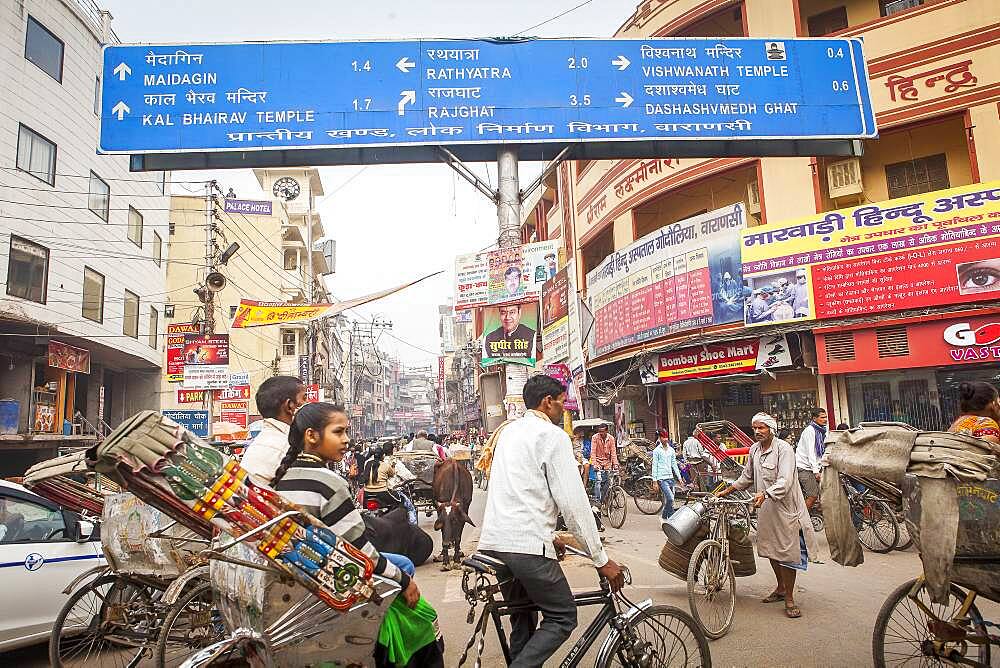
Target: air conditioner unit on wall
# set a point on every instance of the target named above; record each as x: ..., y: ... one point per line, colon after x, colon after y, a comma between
x: 844, y: 177
x: 753, y: 198
x: 897, y: 6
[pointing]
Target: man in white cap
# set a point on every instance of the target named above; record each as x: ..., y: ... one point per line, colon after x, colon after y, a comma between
x: 783, y: 521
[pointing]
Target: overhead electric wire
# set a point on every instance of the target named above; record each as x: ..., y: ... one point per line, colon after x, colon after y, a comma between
x: 111, y: 178
x: 557, y: 16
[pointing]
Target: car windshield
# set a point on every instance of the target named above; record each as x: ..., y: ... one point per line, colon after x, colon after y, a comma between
x: 25, y: 522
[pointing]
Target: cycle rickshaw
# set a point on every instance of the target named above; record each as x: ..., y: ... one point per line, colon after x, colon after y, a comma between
x: 287, y: 590
x: 151, y: 599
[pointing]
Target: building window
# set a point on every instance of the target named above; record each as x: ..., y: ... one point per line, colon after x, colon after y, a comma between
x: 130, y: 323
x: 99, y: 200
x: 135, y: 226
x: 828, y: 22
x: 27, y: 270
x: 291, y: 259
x: 154, y: 326
x: 890, y: 7
x: 97, y: 96
x: 44, y: 49
x: 36, y: 155
x: 171, y: 228
x: 157, y: 249
x: 93, y: 295
x: 916, y: 176
x: 289, y: 345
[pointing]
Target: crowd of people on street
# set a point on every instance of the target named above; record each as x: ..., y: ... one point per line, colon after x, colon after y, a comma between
x: 540, y: 477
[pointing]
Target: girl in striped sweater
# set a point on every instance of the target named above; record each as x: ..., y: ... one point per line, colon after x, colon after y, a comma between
x: 319, y: 434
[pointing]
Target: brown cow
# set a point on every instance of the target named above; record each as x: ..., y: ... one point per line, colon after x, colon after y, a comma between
x: 452, y: 491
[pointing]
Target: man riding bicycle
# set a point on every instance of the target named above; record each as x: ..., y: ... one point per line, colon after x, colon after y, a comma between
x: 534, y: 478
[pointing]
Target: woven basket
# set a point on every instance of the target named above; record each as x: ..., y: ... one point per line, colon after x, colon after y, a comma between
x: 675, y: 560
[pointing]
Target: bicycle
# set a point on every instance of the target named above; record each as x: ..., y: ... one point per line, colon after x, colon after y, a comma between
x: 639, y: 635
x: 874, y: 519
x: 613, y: 501
x: 711, y: 580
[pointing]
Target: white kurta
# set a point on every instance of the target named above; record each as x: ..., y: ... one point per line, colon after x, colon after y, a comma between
x: 784, y: 512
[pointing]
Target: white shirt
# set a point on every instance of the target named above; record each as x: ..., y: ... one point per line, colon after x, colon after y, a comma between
x: 694, y: 449
x: 532, y: 479
x: 264, y: 454
x: 805, y: 451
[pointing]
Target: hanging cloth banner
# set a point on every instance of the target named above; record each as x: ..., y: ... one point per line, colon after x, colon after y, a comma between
x: 257, y: 314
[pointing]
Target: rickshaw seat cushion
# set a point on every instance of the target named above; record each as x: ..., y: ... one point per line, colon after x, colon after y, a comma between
x: 487, y: 565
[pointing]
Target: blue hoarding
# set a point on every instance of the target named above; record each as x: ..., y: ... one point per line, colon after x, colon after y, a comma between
x: 195, y: 421
x: 286, y: 95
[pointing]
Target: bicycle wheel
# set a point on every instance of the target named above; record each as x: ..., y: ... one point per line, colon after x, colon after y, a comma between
x: 659, y: 636
x: 901, y: 634
x: 617, y: 506
x: 711, y: 586
x: 879, y: 531
x: 109, y: 622
x: 192, y: 624
x: 647, y: 500
x: 905, y: 539
x: 817, y: 522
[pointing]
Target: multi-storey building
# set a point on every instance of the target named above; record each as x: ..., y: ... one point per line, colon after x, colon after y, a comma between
x: 270, y: 265
x: 934, y: 77
x: 83, y: 238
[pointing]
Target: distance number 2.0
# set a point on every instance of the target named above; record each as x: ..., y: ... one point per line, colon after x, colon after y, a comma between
x: 579, y: 101
x: 575, y: 63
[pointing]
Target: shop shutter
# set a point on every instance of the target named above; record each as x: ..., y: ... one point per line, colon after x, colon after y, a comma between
x: 892, y: 341
x: 839, y: 346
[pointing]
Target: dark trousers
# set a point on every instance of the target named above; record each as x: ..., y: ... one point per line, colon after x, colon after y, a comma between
x: 541, y: 581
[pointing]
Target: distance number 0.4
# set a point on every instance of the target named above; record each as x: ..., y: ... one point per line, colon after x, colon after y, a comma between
x: 362, y: 104
x: 841, y: 86
x: 832, y: 52
x: 575, y: 63
x: 579, y: 101
x: 361, y: 65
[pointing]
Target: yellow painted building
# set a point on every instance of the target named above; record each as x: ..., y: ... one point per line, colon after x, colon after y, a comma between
x: 934, y: 71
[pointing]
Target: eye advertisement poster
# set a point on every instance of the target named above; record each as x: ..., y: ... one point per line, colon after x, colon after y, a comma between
x: 932, y: 249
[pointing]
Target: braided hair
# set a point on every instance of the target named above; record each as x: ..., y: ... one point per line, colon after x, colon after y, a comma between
x: 313, y: 416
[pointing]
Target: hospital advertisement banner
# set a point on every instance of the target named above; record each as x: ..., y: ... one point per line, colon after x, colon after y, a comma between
x: 679, y: 277
x: 932, y: 249
x: 504, y: 276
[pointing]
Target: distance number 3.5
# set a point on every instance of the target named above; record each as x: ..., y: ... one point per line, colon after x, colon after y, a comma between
x: 579, y: 101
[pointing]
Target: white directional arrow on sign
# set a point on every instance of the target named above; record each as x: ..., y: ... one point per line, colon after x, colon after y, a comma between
x: 406, y: 97
x: 122, y: 71
x: 622, y: 62
x: 405, y: 65
x: 120, y: 110
x: 624, y: 99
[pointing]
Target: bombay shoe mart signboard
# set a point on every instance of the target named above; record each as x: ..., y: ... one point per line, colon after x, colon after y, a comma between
x: 718, y: 359
x: 933, y: 249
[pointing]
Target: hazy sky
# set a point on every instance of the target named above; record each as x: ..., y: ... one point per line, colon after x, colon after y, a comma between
x: 392, y: 223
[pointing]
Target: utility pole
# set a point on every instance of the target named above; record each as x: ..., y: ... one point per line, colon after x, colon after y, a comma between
x: 208, y: 322
x: 508, y: 198
x: 311, y: 292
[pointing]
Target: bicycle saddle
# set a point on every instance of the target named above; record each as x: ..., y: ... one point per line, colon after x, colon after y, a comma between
x: 487, y: 565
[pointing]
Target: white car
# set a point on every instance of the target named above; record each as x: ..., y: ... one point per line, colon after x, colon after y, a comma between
x: 42, y: 549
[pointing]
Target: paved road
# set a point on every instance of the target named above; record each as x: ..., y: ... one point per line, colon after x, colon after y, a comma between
x: 839, y: 604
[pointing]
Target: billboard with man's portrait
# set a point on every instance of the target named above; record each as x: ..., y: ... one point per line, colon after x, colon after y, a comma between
x: 509, y: 333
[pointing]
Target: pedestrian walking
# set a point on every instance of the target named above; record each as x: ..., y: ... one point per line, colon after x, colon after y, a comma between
x: 808, y: 452
x: 603, y: 459
x: 666, y: 474
x: 980, y: 406
x: 782, y: 520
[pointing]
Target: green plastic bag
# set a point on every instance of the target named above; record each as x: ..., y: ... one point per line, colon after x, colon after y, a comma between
x: 404, y: 631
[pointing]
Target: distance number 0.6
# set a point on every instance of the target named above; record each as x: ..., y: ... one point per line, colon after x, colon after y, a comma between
x: 362, y: 104
x: 579, y: 101
x: 361, y: 65
x: 580, y: 63
x: 841, y: 86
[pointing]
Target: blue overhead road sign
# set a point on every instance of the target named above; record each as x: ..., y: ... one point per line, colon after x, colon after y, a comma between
x: 295, y: 95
